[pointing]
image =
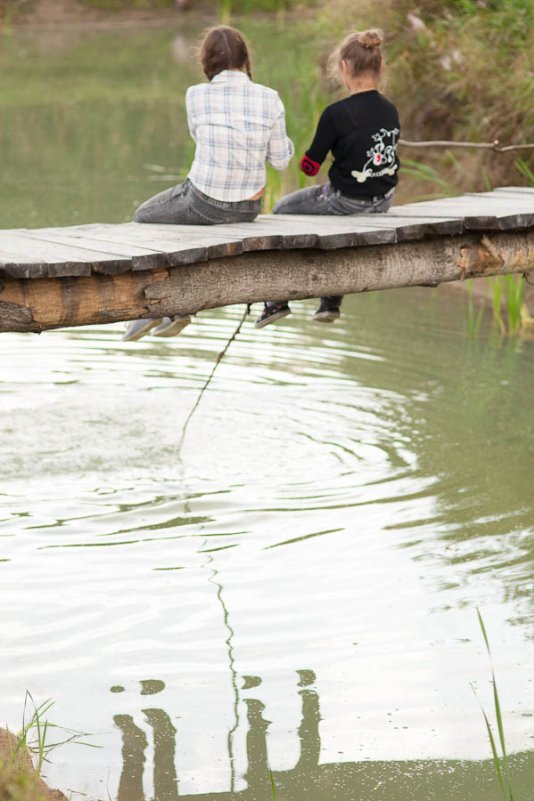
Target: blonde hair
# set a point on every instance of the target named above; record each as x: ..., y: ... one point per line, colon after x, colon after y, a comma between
x: 361, y: 51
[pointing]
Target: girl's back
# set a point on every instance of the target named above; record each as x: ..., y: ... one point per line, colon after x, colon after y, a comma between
x: 236, y: 124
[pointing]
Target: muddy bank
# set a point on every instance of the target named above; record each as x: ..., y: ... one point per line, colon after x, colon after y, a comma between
x: 18, y: 777
x: 45, y: 13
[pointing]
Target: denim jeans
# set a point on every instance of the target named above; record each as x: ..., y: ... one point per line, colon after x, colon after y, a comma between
x: 184, y: 204
x: 329, y: 201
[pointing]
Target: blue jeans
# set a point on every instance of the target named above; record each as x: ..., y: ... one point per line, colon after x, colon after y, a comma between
x: 327, y: 200
x: 184, y: 204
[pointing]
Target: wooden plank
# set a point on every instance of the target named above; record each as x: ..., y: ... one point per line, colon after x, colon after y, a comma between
x: 328, y: 233
x: 187, y: 244
x: 135, y: 247
x: 405, y: 228
x: 129, y: 255
x: 333, y: 232
x: 498, y: 206
x: 9, y: 265
x: 219, y: 241
x: 476, y: 217
x: 24, y: 256
x: 477, y: 201
x: 516, y: 190
x: 162, y: 253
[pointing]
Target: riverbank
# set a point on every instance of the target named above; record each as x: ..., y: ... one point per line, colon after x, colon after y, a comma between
x: 19, y: 781
x: 52, y: 13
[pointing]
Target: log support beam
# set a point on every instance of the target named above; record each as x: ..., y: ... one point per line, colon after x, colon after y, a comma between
x: 38, y: 304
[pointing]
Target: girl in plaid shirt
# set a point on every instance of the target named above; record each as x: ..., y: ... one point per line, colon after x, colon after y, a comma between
x: 237, y: 126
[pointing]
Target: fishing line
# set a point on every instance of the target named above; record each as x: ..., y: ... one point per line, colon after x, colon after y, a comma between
x: 218, y: 360
x: 229, y: 642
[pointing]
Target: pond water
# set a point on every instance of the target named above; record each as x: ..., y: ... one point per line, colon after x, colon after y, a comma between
x: 295, y: 589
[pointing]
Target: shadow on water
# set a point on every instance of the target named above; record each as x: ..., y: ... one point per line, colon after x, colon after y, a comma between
x: 454, y: 780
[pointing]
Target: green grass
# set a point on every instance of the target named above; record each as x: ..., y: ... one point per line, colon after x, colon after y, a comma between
x: 273, y: 786
x: 19, y: 777
x: 475, y: 314
x: 497, y: 739
x: 508, y: 292
x: 33, y: 737
x: 33, y: 734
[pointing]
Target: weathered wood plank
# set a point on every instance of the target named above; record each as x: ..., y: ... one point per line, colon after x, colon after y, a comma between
x: 476, y: 216
x: 24, y: 256
x: 171, y: 251
x: 405, y: 228
x: 118, y: 257
x: 517, y: 190
x: 132, y: 247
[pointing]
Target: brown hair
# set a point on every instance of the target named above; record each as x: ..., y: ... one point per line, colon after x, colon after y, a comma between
x: 223, y: 48
x: 361, y: 51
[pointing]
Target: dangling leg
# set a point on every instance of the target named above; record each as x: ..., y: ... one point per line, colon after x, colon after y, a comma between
x: 271, y: 313
x: 329, y: 309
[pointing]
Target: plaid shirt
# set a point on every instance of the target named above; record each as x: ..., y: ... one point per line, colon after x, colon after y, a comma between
x: 237, y: 125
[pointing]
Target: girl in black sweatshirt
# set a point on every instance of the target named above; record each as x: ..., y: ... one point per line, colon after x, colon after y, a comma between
x: 361, y: 131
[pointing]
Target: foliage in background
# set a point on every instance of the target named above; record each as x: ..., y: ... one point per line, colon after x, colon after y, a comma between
x: 117, y: 5
x: 10, y: 9
x: 458, y: 70
x: 225, y: 8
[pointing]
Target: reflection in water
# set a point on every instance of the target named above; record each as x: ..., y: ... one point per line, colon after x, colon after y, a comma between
x: 442, y: 780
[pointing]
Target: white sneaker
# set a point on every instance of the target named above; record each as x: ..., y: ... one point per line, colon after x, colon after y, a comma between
x: 170, y: 326
x: 138, y: 328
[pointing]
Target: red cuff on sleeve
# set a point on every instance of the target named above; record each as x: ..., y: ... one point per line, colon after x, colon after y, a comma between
x: 309, y: 166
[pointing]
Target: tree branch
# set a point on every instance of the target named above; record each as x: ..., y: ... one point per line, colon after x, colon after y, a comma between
x: 495, y: 146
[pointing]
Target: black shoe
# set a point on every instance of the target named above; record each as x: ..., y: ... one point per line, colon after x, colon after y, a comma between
x: 327, y: 312
x: 271, y: 314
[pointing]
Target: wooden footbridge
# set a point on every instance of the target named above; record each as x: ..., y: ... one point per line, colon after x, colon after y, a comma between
x: 86, y: 274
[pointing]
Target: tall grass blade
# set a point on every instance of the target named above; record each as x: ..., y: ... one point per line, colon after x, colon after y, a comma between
x: 273, y: 785
x: 501, y: 763
x: 495, y: 755
x: 484, y: 633
x: 474, y: 316
x: 523, y: 169
x: 496, y: 302
x: 424, y: 172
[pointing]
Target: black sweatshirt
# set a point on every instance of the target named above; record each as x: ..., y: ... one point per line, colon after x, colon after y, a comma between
x: 362, y: 132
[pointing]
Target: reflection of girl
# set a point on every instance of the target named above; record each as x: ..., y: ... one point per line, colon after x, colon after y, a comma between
x: 237, y: 125
x: 361, y: 132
